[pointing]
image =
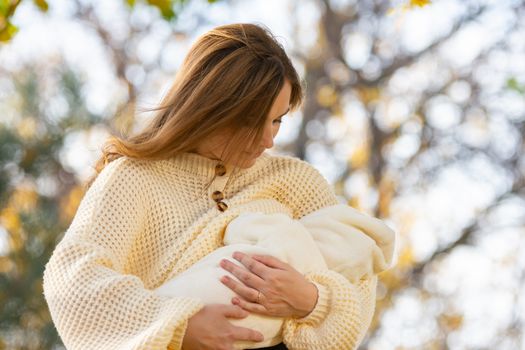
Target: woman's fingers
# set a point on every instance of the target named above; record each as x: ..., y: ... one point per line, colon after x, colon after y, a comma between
x: 241, y: 333
x: 246, y: 292
x: 252, y: 307
x: 245, y: 276
x: 234, y: 311
x: 253, y: 265
x: 271, y: 261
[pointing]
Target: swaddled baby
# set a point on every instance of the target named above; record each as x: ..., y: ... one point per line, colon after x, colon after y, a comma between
x: 336, y: 237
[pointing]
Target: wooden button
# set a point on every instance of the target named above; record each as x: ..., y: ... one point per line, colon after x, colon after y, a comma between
x: 217, y: 196
x: 220, y: 169
x: 222, y: 206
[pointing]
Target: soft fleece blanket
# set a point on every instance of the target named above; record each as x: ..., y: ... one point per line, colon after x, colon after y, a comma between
x: 336, y: 237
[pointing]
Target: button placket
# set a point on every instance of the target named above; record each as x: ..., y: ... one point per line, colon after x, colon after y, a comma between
x: 216, y: 190
x: 220, y: 169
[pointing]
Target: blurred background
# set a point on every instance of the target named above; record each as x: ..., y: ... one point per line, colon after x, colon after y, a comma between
x: 415, y: 113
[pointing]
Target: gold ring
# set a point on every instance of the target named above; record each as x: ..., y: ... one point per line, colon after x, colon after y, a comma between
x: 258, y: 296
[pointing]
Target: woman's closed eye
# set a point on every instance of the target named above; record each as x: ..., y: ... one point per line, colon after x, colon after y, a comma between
x: 278, y: 121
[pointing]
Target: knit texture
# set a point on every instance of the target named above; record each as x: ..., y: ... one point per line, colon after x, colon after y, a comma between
x: 143, y: 222
x: 336, y: 237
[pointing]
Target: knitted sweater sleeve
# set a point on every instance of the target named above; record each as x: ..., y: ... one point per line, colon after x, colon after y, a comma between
x: 93, y: 302
x: 344, y: 310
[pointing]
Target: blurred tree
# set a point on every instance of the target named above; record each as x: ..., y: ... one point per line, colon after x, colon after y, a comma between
x: 36, y: 190
x: 383, y: 119
x: 405, y: 154
x: 168, y: 9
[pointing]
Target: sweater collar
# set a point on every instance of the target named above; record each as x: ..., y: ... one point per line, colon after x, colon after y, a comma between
x: 197, y: 164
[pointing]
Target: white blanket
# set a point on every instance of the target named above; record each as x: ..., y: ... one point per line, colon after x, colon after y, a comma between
x: 337, y: 237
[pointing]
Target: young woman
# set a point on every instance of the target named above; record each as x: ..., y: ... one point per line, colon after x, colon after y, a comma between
x: 160, y: 202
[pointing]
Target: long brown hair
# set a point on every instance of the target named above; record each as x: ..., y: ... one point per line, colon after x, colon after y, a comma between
x: 228, y: 81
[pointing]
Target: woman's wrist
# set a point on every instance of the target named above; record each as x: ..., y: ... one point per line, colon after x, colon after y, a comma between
x: 307, y: 301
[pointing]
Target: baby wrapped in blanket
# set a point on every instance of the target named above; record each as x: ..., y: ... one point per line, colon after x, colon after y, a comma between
x: 336, y: 237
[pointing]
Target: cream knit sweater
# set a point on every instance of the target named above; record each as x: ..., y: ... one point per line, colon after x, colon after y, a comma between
x: 336, y: 237
x: 143, y: 222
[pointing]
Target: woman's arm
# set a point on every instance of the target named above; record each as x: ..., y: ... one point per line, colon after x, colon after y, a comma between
x: 94, y: 304
x: 340, y: 318
x: 343, y: 318
x: 344, y: 310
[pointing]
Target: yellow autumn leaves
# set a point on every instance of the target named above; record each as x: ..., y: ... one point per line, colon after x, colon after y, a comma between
x: 410, y: 5
x: 24, y: 200
x: 419, y: 3
x: 7, y: 10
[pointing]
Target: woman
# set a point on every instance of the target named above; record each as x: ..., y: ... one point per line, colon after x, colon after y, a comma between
x: 162, y: 198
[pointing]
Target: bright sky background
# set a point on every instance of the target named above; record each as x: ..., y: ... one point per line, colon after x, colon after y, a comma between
x: 438, y: 212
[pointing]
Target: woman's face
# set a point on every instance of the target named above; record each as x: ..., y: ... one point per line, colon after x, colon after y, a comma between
x: 215, y: 145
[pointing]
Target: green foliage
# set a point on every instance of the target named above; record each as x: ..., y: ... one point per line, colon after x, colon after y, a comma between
x: 7, y: 29
x: 35, y: 222
x: 7, y: 10
x: 168, y: 9
x: 10, y: 146
x: 513, y: 84
x: 42, y: 4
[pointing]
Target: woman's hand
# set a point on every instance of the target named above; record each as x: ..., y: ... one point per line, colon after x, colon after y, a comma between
x: 210, y: 329
x: 285, y: 292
